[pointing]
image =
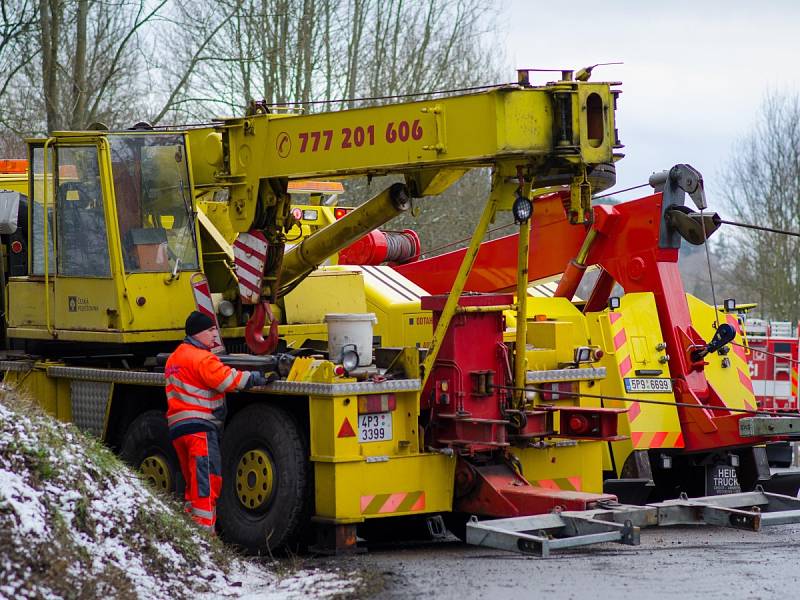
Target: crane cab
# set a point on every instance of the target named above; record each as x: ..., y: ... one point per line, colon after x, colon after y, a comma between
x: 111, y: 233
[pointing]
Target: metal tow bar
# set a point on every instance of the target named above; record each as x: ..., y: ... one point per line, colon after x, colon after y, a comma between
x: 539, y: 535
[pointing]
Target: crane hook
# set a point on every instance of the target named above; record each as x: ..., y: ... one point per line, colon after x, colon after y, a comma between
x: 254, y: 330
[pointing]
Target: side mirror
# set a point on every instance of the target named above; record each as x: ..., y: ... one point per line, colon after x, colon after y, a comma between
x: 9, y: 208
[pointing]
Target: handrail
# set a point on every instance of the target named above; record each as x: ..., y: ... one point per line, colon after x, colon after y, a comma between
x: 50, y: 328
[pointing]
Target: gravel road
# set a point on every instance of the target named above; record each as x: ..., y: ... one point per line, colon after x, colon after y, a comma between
x: 677, y: 562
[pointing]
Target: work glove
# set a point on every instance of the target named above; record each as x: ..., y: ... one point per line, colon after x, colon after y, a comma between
x: 258, y: 379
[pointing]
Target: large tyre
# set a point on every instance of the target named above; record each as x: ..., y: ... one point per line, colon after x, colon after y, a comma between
x: 146, y: 446
x: 267, y: 481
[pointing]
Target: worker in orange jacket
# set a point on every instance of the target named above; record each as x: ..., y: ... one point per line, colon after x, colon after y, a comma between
x: 196, y: 385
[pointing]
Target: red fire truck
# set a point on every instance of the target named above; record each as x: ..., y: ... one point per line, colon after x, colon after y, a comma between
x: 773, y: 357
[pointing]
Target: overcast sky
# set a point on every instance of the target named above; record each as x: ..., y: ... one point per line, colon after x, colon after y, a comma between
x: 694, y: 77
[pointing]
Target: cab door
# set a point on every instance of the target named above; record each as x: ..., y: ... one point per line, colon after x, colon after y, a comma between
x: 85, y: 292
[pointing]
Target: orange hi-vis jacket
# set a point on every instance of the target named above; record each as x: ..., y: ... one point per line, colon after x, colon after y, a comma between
x: 196, y: 385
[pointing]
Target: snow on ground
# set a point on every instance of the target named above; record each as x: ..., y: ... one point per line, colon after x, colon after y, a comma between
x: 74, y: 522
x: 300, y: 584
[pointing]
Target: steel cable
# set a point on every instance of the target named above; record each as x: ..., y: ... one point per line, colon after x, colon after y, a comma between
x: 710, y: 275
x: 635, y: 187
x: 457, y: 242
x: 641, y: 400
x: 400, y: 246
x: 760, y: 228
x: 395, y: 96
x: 746, y: 347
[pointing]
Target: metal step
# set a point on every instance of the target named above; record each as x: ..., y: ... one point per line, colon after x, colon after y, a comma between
x: 539, y: 535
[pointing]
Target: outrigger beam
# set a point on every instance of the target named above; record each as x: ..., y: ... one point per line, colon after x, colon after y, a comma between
x: 539, y: 535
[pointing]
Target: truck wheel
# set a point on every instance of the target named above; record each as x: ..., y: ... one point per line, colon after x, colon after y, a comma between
x: 266, y: 481
x: 146, y: 447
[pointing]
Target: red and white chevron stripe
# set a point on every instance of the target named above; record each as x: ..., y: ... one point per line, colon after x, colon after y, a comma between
x: 250, y: 255
x: 204, y: 304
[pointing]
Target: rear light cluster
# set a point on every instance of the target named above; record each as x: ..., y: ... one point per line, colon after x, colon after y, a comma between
x: 376, y: 403
x: 339, y: 212
x: 589, y: 423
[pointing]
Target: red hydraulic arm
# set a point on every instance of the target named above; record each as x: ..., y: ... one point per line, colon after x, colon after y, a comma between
x: 495, y: 267
x: 635, y: 246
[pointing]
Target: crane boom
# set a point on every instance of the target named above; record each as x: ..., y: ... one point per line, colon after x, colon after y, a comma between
x: 554, y: 134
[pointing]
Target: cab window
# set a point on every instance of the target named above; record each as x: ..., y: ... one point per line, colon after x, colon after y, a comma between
x: 154, y: 204
x: 82, y: 243
x: 42, y: 182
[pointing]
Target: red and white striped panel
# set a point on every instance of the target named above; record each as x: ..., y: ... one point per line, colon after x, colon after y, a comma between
x: 205, y: 305
x: 250, y: 255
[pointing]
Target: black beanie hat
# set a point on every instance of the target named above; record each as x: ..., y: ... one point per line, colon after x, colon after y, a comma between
x: 197, y: 322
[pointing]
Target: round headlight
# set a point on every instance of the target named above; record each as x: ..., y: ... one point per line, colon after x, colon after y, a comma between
x: 349, y: 357
x: 226, y: 308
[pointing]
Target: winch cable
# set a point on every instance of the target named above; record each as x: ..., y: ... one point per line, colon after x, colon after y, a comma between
x: 475, y: 88
x: 760, y: 228
x: 710, y: 274
x: 641, y: 400
x: 507, y: 225
x: 607, y: 194
x: 432, y: 251
x: 722, y: 221
x: 400, y: 246
x: 457, y: 242
x: 773, y: 354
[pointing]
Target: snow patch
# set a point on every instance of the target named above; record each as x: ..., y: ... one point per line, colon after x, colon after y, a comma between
x: 253, y: 583
x: 74, y: 522
x: 25, y: 501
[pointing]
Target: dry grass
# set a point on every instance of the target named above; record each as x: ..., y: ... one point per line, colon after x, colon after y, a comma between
x: 78, y: 516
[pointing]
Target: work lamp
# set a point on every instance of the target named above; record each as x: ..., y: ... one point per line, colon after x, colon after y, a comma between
x: 349, y: 357
x: 521, y: 209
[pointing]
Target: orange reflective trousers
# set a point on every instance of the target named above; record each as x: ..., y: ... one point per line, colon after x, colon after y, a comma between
x: 201, y: 465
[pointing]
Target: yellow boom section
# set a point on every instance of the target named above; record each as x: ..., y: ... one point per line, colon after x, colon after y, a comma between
x: 552, y: 134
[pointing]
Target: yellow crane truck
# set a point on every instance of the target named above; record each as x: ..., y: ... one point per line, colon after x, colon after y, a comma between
x: 495, y: 405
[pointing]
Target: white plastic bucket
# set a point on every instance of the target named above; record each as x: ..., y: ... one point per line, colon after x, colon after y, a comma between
x: 346, y: 330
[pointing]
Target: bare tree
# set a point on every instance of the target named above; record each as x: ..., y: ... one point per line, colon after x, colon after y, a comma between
x: 18, y: 24
x: 17, y: 21
x: 765, y: 190
x: 322, y: 54
x: 119, y: 61
x: 70, y: 63
x: 321, y: 50
x: 91, y: 61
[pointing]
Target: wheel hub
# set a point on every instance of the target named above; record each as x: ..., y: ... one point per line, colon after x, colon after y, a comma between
x: 156, y: 470
x: 254, y: 477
